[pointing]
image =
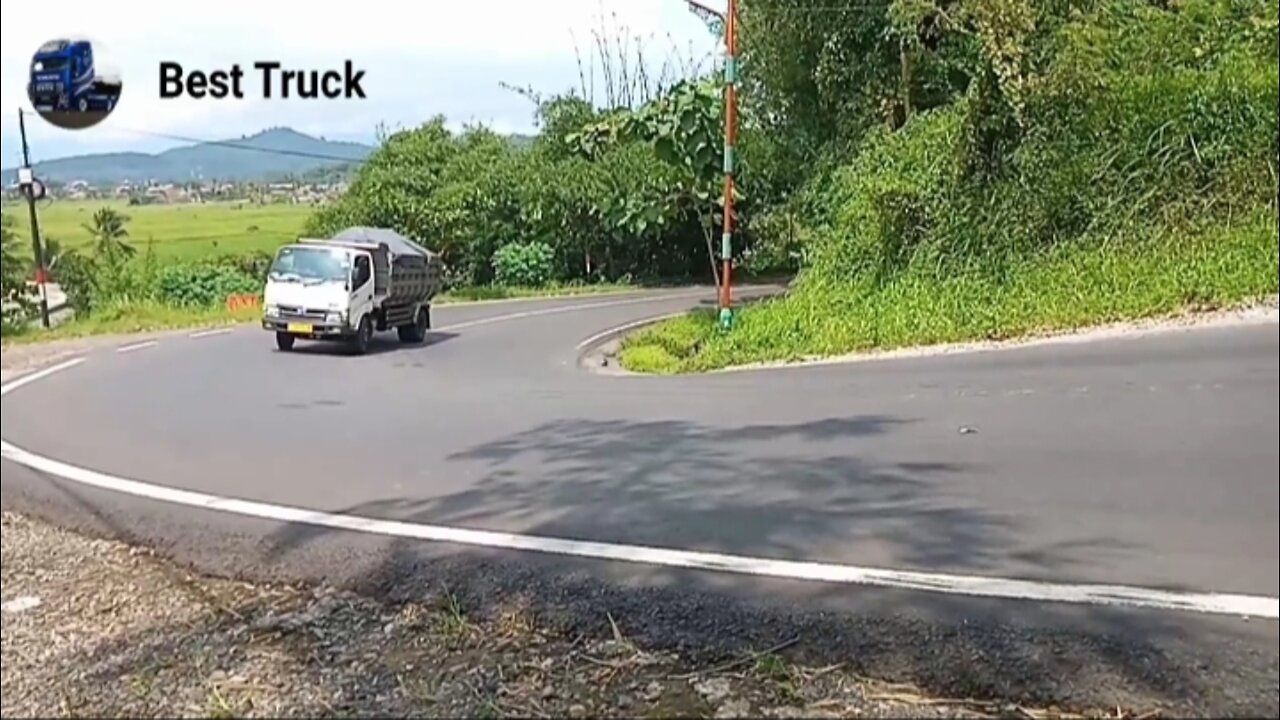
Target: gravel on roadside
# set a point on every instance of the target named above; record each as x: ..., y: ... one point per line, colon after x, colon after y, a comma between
x: 96, y: 627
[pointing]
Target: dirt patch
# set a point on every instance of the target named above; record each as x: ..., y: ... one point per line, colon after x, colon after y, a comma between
x: 95, y: 627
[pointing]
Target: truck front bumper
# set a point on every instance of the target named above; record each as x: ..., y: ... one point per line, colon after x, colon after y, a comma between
x: 311, y: 329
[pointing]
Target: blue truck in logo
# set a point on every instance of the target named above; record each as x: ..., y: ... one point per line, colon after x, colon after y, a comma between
x: 65, y: 79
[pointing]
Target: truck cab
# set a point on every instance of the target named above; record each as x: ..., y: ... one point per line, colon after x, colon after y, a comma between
x: 345, y: 291
x: 65, y: 78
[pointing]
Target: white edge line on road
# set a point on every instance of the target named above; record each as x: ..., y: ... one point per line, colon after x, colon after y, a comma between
x: 978, y: 586
x: 137, y: 346
x: 210, y: 333
x: 628, y: 326
x: 535, y: 298
x: 38, y: 375
x: 569, y: 308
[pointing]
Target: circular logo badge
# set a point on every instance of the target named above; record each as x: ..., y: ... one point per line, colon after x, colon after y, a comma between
x: 73, y: 83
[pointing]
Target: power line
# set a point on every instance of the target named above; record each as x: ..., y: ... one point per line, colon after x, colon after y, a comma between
x: 236, y: 145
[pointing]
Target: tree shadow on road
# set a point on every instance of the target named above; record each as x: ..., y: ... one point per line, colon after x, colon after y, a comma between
x: 678, y: 484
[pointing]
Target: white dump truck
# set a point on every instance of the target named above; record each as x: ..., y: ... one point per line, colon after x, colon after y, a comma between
x: 350, y: 286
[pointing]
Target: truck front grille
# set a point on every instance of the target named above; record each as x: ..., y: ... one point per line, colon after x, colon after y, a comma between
x: 301, y: 312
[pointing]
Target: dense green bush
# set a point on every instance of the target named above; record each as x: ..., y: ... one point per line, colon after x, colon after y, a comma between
x: 1124, y: 136
x: 523, y: 265
x: 203, y: 284
x: 625, y: 194
x: 13, y: 280
x: 93, y: 281
x: 1113, y: 161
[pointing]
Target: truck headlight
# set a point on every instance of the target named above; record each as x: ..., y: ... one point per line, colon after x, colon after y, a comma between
x: 273, y: 311
x: 336, y: 318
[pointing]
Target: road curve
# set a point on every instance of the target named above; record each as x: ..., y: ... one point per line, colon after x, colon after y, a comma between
x: 889, y: 498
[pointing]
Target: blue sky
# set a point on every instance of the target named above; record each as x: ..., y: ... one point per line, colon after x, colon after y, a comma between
x: 420, y: 59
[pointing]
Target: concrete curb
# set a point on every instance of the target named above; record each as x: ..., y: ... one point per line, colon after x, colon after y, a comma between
x: 597, y: 353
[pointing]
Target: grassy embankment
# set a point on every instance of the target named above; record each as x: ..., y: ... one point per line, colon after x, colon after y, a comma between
x: 1064, y: 290
x: 1141, y: 182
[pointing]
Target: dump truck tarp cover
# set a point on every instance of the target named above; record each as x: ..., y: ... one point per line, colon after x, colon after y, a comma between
x: 395, y: 242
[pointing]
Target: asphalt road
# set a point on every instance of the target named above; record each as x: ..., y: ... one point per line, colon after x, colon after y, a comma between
x: 1146, y: 462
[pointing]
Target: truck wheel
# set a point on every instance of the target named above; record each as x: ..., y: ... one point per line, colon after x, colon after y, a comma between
x: 417, y: 332
x: 83, y: 104
x: 364, y: 336
x: 284, y: 341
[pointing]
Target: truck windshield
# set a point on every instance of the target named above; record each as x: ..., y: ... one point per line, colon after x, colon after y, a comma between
x: 311, y: 264
x: 49, y: 64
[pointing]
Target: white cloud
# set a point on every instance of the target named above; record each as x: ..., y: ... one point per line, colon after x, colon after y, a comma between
x: 420, y: 58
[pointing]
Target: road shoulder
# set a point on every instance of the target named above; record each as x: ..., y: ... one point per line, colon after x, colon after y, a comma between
x: 98, y: 627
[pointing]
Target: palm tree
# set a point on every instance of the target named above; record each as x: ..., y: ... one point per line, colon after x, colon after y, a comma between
x: 53, y: 252
x: 108, y: 231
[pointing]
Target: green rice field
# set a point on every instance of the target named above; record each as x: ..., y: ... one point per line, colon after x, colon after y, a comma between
x: 179, y: 231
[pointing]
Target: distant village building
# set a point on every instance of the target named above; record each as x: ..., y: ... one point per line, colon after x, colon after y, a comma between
x: 78, y: 190
x: 167, y: 193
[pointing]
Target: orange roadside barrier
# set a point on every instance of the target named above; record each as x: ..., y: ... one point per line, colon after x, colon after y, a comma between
x: 243, y: 301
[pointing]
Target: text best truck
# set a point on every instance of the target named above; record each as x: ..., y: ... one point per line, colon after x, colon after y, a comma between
x: 348, y: 287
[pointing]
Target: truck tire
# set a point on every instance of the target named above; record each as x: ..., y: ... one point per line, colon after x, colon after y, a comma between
x: 364, y: 336
x: 284, y: 341
x: 83, y: 104
x: 417, y: 332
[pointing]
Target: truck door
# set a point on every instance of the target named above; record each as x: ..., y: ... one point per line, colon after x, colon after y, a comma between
x: 361, y: 288
x: 75, y: 83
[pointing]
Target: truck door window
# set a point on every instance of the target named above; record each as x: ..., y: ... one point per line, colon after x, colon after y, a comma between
x: 363, y: 272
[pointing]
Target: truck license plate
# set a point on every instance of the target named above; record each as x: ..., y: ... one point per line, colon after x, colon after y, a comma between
x: 301, y: 328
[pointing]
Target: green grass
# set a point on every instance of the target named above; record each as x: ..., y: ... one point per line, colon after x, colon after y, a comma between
x: 134, y: 317
x: 1073, y: 287
x: 180, y: 231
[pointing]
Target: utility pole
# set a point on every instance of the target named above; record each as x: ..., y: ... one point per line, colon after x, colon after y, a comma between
x: 730, y: 159
x: 729, y: 19
x: 28, y: 184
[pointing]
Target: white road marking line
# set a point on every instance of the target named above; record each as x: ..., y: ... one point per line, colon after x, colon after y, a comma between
x: 209, y: 333
x: 38, y: 375
x: 569, y: 308
x: 137, y: 346
x: 537, y: 298
x: 628, y: 326
x: 971, y: 585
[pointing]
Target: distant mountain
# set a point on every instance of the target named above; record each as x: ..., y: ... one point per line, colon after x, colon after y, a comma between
x: 268, y: 155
